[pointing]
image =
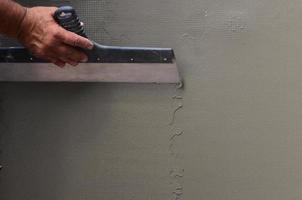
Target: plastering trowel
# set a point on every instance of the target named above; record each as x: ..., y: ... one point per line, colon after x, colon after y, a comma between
x: 105, y: 63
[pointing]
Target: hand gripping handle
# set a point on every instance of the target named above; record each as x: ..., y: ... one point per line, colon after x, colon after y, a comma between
x: 66, y: 17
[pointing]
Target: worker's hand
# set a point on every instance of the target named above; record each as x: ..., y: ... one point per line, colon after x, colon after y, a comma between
x: 40, y: 33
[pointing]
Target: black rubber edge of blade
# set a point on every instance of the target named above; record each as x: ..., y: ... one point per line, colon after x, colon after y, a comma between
x: 100, y: 54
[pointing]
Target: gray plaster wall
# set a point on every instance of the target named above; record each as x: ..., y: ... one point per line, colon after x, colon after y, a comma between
x: 232, y: 133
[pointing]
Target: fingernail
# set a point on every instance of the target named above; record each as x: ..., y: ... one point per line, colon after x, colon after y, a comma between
x: 74, y: 63
x: 90, y: 46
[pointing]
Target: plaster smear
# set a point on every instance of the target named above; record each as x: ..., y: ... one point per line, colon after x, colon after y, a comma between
x: 177, y: 171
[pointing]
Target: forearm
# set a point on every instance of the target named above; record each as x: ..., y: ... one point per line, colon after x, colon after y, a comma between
x: 11, y: 15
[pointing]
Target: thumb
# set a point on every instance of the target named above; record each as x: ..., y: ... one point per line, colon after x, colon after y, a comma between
x: 52, y: 10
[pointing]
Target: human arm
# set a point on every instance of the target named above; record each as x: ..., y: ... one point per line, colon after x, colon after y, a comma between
x: 36, y: 29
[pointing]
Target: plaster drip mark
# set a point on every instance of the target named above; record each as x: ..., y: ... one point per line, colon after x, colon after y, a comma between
x: 177, y: 97
x: 171, y: 149
x: 174, y: 113
x: 177, y: 172
x: 178, y: 191
x: 187, y: 36
x: 176, y: 134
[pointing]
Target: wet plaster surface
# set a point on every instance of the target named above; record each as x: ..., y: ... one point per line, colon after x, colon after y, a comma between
x: 233, y: 131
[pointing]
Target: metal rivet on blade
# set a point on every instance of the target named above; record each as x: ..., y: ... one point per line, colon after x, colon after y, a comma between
x: 132, y: 59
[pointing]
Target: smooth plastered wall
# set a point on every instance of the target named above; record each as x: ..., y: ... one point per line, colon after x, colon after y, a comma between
x: 232, y: 132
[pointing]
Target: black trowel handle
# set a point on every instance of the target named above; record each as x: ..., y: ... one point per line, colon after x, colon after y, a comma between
x: 66, y: 17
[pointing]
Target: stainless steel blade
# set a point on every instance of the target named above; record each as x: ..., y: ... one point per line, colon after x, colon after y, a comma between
x: 91, y: 72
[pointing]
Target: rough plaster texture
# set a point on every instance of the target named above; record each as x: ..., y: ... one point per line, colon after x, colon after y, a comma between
x: 237, y: 124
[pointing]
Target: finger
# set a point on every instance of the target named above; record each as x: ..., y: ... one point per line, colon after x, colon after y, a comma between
x: 51, y: 57
x: 52, y: 10
x: 74, y: 40
x: 57, y: 62
x: 72, y: 63
x: 70, y: 53
x: 69, y: 61
x: 60, y: 63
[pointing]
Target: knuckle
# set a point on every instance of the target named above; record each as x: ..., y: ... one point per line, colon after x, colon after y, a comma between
x: 76, y: 41
x: 78, y: 56
x: 47, y: 46
x: 56, y: 33
x: 48, y: 43
x: 60, y: 49
x: 51, y: 40
x: 68, y: 36
x: 64, y: 51
x: 39, y: 52
x: 44, y: 48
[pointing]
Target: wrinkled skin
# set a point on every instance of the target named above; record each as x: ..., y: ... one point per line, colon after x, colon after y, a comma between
x: 47, y: 40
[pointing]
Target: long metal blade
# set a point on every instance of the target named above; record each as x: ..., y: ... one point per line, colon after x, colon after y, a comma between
x: 105, y: 64
x: 91, y: 72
